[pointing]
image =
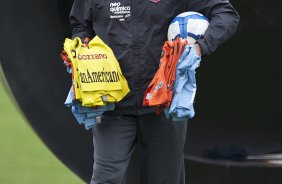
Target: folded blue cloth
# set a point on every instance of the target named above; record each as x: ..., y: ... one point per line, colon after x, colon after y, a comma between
x: 89, y: 116
x: 181, y: 107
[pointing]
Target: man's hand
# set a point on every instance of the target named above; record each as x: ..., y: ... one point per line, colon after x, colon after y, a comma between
x: 198, y: 50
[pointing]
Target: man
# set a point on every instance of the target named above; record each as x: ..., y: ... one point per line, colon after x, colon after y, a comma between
x: 135, y: 31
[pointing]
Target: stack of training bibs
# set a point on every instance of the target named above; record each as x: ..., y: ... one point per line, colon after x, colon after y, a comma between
x: 174, y: 85
x: 97, y: 79
x: 160, y: 90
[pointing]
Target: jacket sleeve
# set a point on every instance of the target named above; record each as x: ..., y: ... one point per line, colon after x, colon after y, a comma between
x: 223, y: 18
x: 81, y: 19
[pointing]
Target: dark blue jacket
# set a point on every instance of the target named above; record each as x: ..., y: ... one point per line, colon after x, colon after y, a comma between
x: 136, y: 31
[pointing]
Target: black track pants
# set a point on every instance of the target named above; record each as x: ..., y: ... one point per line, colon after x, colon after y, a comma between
x: 160, y: 144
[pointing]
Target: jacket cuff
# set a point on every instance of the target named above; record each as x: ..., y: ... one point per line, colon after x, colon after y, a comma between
x: 203, y: 46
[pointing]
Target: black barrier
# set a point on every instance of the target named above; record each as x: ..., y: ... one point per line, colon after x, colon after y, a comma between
x: 236, y: 134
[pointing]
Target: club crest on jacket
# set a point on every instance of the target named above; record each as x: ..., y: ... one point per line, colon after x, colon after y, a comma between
x: 155, y: 1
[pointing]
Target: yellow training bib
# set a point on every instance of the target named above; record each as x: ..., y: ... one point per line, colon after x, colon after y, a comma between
x: 97, y: 77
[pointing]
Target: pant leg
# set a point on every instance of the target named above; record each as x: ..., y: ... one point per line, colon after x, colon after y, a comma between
x: 114, y: 141
x: 160, y: 144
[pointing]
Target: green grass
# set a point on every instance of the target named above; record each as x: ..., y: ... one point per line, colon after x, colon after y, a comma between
x: 24, y: 159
